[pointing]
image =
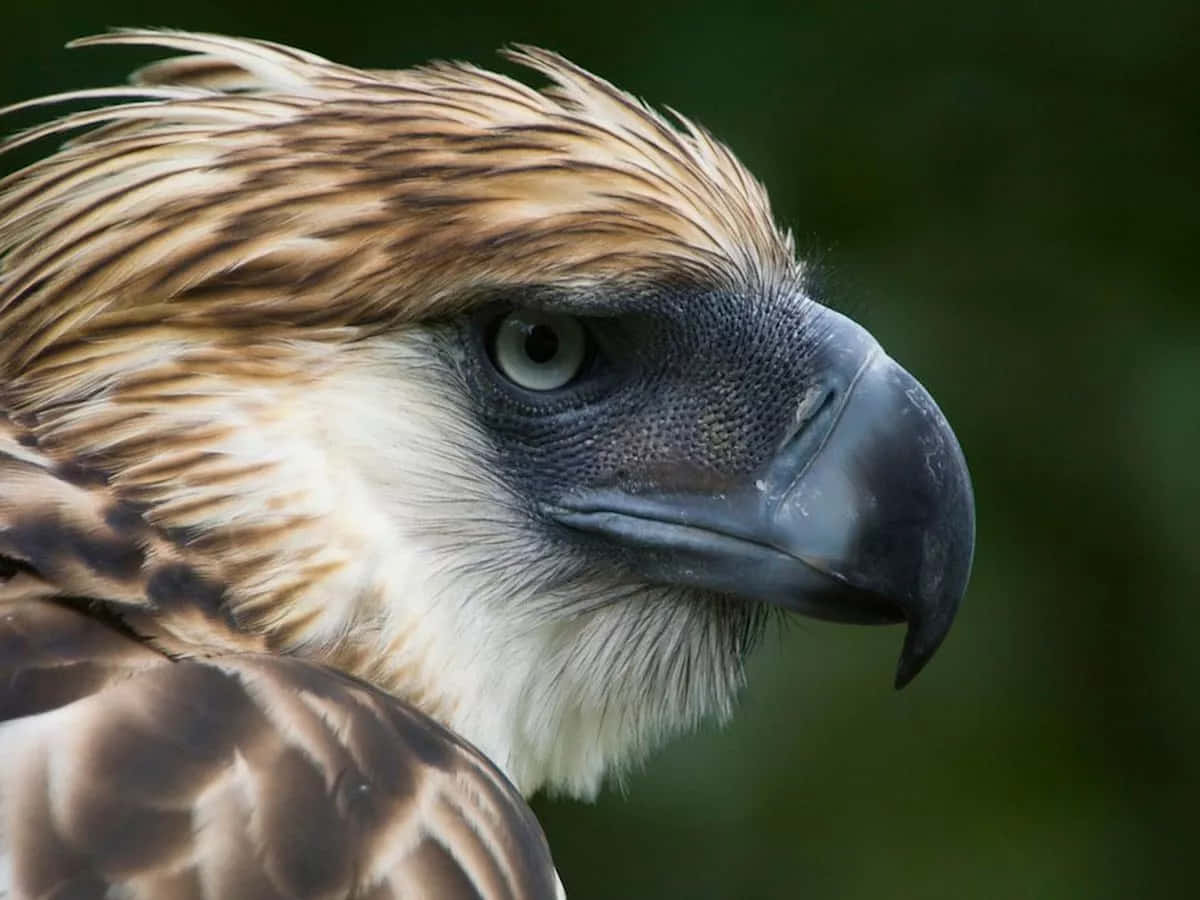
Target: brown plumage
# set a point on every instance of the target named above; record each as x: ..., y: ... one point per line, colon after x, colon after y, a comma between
x: 184, y: 288
x: 249, y: 776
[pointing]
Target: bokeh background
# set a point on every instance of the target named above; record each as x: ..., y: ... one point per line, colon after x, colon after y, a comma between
x: 1006, y: 194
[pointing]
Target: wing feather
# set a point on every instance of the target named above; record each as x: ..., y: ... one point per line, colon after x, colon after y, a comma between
x: 126, y: 774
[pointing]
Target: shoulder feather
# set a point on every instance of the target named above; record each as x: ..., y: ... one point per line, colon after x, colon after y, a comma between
x: 251, y: 776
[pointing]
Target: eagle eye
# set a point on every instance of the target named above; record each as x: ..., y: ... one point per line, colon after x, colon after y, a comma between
x: 539, y: 351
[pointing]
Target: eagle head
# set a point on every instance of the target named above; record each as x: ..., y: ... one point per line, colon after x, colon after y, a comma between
x: 510, y: 401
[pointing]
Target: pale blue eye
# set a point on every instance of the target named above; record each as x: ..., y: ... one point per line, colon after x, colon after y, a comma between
x: 539, y: 351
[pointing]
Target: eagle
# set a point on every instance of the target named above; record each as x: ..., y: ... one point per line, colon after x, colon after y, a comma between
x: 378, y: 448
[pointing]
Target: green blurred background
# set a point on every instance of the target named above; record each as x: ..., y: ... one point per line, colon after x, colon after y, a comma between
x: 1007, y: 196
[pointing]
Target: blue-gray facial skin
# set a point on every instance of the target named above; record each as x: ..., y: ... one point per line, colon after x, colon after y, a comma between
x: 767, y: 450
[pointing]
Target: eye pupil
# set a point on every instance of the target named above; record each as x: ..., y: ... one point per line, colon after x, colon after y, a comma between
x: 541, y: 345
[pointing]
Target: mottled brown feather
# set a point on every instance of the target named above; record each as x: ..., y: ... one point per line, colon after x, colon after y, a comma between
x: 247, y: 776
x: 254, y: 155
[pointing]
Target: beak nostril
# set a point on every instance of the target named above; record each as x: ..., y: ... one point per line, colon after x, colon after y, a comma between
x: 817, y: 415
x: 811, y: 403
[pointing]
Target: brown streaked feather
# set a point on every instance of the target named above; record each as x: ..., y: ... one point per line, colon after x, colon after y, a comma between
x: 269, y: 147
x: 65, y: 532
x: 248, y: 776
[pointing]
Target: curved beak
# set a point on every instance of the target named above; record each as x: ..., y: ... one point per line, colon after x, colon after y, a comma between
x: 865, y: 514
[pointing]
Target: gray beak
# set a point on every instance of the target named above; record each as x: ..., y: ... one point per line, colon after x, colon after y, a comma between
x: 865, y: 514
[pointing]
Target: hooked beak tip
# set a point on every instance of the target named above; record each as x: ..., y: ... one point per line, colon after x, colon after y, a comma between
x: 913, y: 657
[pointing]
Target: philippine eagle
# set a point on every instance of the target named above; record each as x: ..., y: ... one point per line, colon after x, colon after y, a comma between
x: 379, y: 447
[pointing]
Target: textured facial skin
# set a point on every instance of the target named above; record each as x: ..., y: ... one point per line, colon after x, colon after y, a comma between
x: 683, y: 391
x: 686, y: 390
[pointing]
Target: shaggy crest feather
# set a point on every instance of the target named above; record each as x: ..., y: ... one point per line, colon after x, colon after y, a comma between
x: 252, y: 182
